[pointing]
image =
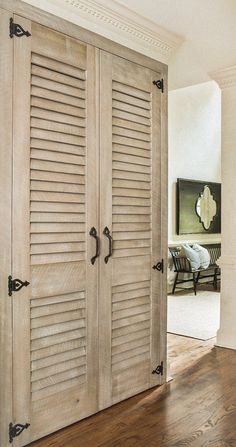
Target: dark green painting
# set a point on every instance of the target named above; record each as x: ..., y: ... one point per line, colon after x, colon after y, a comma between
x: 198, y: 207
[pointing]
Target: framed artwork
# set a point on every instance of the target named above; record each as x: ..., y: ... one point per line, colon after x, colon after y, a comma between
x: 198, y: 207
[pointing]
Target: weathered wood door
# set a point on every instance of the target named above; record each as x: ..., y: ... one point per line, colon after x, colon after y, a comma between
x: 55, y: 200
x: 130, y: 300
x: 82, y: 141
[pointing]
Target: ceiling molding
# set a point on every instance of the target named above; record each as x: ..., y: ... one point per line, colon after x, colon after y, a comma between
x: 226, y: 77
x: 118, y: 23
x: 131, y: 24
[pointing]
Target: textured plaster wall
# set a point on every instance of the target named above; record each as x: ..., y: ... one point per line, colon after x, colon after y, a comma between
x: 194, y: 144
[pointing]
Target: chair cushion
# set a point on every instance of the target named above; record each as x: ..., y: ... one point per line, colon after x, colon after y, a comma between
x: 192, y: 255
x: 203, y: 255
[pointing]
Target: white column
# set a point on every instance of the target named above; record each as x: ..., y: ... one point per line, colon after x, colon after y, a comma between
x: 226, y: 336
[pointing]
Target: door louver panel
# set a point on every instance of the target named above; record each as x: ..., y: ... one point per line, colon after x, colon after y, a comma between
x: 58, y: 343
x: 130, y: 324
x: 58, y: 144
x: 131, y: 165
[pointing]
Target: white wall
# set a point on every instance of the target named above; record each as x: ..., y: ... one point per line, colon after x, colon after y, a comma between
x: 194, y: 144
x: 226, y: 336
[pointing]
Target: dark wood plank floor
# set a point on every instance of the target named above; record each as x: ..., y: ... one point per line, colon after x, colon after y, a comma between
x: 196, y: 409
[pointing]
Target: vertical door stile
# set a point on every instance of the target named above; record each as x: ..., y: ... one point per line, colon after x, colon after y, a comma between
x: 105, y: 383
x: 21, y: 229
x: 92, y: 204
x: 164, y: 221
x: 6, y: 67
x: 157, y: 280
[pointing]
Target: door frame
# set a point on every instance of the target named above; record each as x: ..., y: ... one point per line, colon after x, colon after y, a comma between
x: 55, y: 23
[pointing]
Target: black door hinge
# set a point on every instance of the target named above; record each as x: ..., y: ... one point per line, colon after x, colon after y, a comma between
x: 159, y: 266
x: 17, y: 30
x: 16, y: 430
x: 159, y: 84
x: 14, y: 285
x: 159, y: 369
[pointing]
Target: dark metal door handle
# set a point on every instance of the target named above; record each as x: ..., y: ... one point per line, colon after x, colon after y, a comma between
x: 106, y: 232
x: 93, y: 233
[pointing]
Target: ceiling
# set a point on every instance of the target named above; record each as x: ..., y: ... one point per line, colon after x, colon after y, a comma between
x: 209, y: 31
x: 199, y: 36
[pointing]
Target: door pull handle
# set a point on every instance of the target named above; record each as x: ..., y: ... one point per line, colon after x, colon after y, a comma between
x: 106, y: 232
x: 93, y: 233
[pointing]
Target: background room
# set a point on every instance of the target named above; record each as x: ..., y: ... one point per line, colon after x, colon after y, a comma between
x: 194, y: 154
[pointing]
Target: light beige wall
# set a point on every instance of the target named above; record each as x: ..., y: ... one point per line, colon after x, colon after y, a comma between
x: 194, y: 144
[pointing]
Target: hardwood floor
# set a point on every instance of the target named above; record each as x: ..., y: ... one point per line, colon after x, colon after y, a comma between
x: 184, y: 352
x: 196, y: 409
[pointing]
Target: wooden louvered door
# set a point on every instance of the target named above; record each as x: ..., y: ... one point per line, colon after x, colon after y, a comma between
x: 131, y: 337
x: 54, y: 207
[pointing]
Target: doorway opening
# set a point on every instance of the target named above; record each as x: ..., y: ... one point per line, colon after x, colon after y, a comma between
x: 194, y: 156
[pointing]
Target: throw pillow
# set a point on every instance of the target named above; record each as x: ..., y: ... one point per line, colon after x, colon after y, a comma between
x: 192, y: 255
x: 203, y: 255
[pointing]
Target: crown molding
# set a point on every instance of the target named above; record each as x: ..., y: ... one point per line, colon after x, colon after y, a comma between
x: 122, y: 20
x: 225, y: 78
x: 116, y: 22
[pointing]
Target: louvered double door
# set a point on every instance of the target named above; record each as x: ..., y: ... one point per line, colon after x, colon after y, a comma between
x: 86, y: 330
